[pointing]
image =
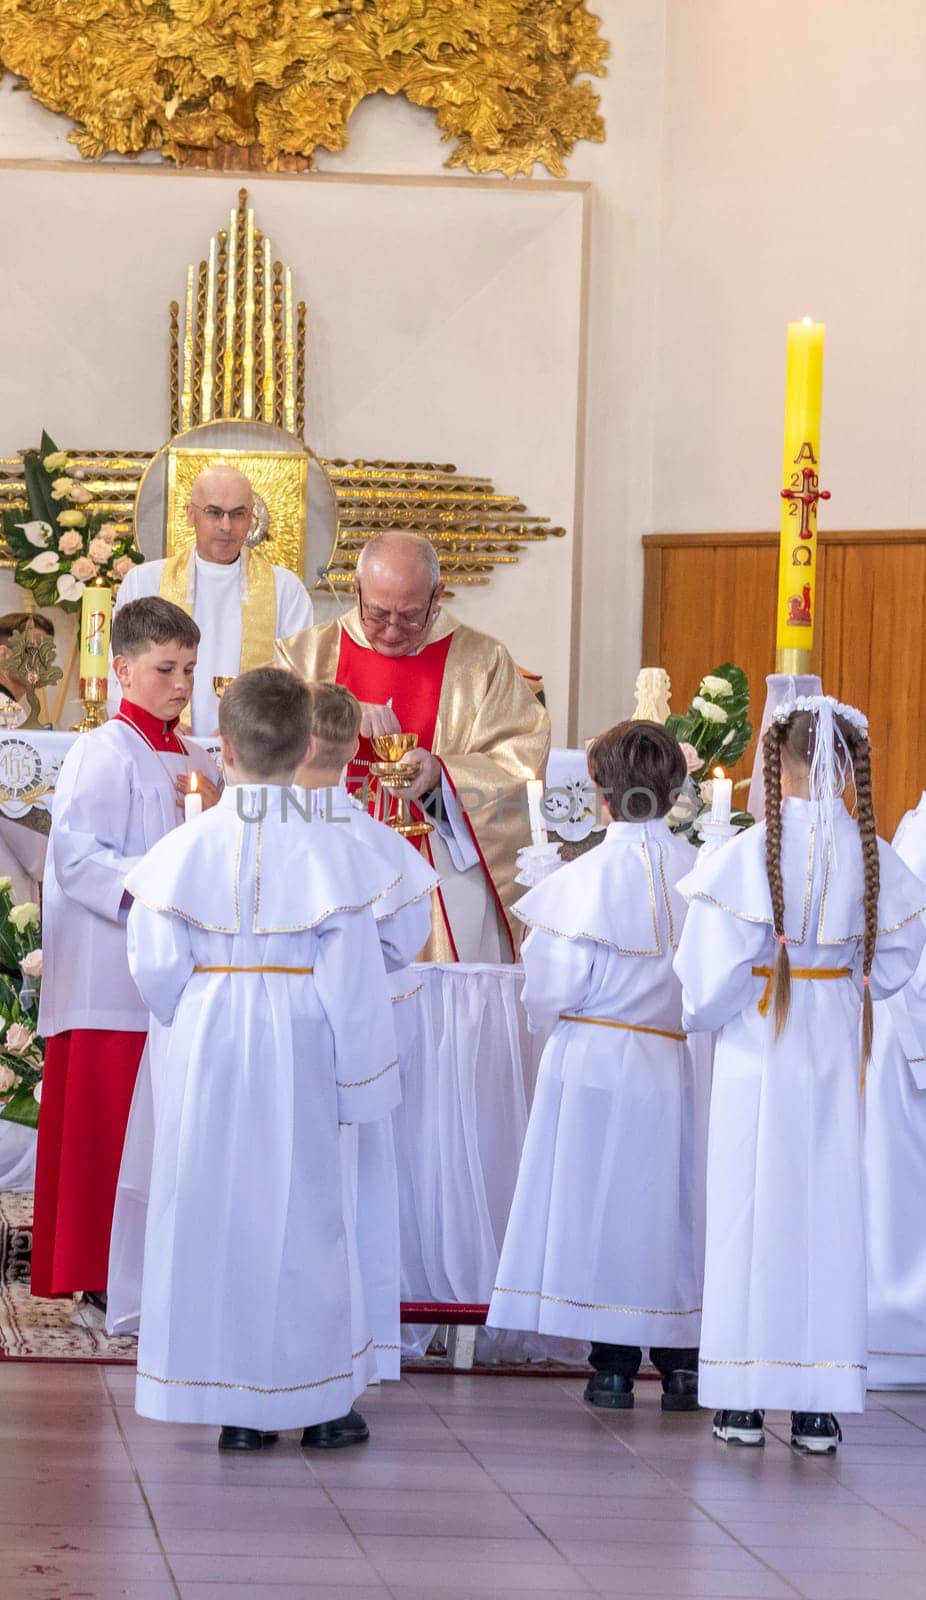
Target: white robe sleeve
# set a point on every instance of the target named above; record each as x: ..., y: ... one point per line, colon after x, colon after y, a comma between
x: 557, y: 977
x: 714, y: 962
x: 294, y: 606
x: 89, y: 822
x: 405, y: 933
x: 896, y: 956
x: 453, y: 829
x: 160, y: 958
x: 350, y: 981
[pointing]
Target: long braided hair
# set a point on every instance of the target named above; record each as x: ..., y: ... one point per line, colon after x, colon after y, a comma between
x: 797, y: 737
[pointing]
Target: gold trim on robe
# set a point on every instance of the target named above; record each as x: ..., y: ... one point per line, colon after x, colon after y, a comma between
x: 258, y: 601
x: 491, y: 735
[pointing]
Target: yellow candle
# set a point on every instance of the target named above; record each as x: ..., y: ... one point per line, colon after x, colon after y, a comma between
x: 797, y: 561
x: 96, y: 609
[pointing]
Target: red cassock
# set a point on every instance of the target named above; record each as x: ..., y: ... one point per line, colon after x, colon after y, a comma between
x: 86, y: 1094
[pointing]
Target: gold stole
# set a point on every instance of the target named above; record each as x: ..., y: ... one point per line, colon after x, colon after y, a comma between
x: 258, y: 611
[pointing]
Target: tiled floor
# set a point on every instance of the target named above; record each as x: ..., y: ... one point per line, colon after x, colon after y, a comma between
x: 470, y: 1487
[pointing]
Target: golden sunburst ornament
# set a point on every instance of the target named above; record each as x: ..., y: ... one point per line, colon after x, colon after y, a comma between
x: 266, y: 83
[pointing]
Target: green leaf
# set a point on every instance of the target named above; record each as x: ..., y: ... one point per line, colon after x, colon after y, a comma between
x: 21, y: 1107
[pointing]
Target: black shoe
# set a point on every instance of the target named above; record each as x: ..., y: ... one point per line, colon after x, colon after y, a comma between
x: 243, y: 1439
x: 816, y: 1433
x: 96, y: 1298
x: 680, y: 1391
x: 610, y: 1390
x: 336, y: 1435
x: 740, y: 1427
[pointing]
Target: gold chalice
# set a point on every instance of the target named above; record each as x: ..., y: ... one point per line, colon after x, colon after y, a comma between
x: 219, y: 685
x: 397, y: 775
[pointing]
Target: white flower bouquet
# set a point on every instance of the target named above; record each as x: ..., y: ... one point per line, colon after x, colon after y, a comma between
x: 22, y: 1052
x: 64, y: 544
x: 713, y: 732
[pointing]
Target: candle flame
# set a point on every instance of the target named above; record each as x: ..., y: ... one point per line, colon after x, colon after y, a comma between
x: 194, y: 783
x: 808, y: 322
x: 718, y: 772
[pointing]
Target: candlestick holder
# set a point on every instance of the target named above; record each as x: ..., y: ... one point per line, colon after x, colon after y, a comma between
x: 536, y: 862
x: 93, y: 694
x: 397, y: 775
x: 715, y: 834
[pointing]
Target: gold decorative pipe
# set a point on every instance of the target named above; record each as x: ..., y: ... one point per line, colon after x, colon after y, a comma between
x: 247, y: 399
x: 174, y: 367
x: 186, y: 393
x: 269, y: 384
x: 300, y: 369
x: 209, y: 337
x: 231, y: 285
x: 289, y: 381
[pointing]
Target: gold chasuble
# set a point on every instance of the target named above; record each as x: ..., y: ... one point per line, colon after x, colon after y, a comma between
x: 258, y: 601
x: 489, y: 733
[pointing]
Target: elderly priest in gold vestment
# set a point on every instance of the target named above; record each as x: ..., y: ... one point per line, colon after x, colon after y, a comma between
x: 481, y: 733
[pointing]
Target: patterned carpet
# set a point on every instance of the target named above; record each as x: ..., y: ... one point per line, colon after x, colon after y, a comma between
x: 43, y: 1330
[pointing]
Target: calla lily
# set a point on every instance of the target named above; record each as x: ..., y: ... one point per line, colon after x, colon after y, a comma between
x: 47, y: 562
x: 37, y: 533
x: 69, y: 588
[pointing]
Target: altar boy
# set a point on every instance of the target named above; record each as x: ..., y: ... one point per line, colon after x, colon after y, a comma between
x: 253, y: 941
x: 403, y: 920
x: 605, y: 1238
x: 119, y: 791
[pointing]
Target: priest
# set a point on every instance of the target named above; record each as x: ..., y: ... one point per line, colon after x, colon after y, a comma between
x: 240, y: 601
x: 481, y: 733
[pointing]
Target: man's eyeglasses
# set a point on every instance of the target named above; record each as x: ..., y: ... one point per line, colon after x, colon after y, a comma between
x: 408, y: 621
x: 216, y: 514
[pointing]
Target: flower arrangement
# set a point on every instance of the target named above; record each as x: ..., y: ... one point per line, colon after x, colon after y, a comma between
x: 714, y: 731
x: 64, y: 545
x: 22, y: 1052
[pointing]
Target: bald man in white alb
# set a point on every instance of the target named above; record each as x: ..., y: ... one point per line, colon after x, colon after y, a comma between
x: 240, y: 600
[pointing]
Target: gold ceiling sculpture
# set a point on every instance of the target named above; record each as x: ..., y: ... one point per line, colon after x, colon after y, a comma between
x: 251, y: 84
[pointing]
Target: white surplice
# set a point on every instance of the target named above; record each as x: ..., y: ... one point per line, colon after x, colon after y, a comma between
x: 895, y: 1163
x: 114, y: 799
x: 249, y: 1313
x: 605, y: 1236
x: 217, y: 593
x: 403, y: 919
x: 785, y: 1319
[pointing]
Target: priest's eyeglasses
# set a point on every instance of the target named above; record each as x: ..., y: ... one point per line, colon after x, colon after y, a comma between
x: 238, y: 514
x: 408, y: 621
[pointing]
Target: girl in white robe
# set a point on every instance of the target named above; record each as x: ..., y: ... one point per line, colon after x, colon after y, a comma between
x: 895, y: 1164
x: 254, y: 943
x: 605, y: 1237
x: 808, y: 901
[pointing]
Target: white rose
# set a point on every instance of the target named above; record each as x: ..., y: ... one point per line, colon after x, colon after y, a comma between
x: 708, y: 710
x: 37, y: 1093
x: 31, y: 964
x: 69, y: 588
x: 24, y: 916
x: 37, y: 533
x: 18, y: 1038
x: 8, y: 1078
x: 56, y: 462
x: 692, y: 759
x: 5, y: 883
x: 47, y: 562
x: 62, y: 489
x: 718, y: 687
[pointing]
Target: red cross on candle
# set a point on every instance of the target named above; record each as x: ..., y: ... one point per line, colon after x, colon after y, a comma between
x: 808, y: 497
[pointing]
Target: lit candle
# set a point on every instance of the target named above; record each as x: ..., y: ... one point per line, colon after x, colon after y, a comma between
x: 797, y: 562
x: 193, y: 802
x: 96, y: 609
x: 721, y: 796
x: 534, y: 804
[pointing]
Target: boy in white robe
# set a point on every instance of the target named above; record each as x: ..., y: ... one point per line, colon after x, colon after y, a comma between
x: 895, y: 1163
x: 792, y: 930
x: 119, y: 791
x: 605, y: 1237
x: 403, y: 920
x: 253, y: 942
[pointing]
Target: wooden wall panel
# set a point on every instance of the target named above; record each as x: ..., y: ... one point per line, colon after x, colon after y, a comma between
x: 710, y: 598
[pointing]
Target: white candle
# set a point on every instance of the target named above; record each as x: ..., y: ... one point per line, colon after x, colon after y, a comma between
x: 193, y: 802
x: 721, y: 796
x: 534, y: 801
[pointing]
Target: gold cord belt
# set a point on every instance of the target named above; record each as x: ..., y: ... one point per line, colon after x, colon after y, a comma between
x: 305, y: 971
x: 812, y: 974
x: 628, y: 1027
